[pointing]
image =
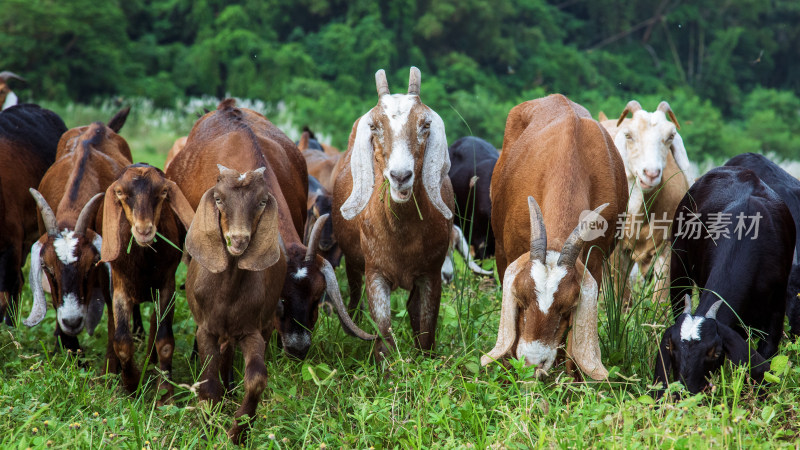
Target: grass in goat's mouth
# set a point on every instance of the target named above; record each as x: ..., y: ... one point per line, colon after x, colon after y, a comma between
x: 386, y: 196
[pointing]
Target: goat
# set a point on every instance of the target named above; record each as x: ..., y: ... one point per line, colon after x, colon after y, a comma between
x: 788, y: 189
x: 308, y: 275
x: 396, y: 242
x: 322, y: 165
x: 28, y: 140
x: 657, y: 169
x: 134, y: 210
x: 7, y: 96
x: 309, y: 141
x: 749, y: 274
x: 88, y: 159
x: 554, y: 155
x: 472, y: 162
x: 320, y: 203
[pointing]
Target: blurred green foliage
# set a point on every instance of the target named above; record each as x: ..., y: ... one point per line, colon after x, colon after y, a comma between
x: 729, y: 68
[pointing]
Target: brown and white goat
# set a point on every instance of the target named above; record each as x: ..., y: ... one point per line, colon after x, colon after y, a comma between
x: 134, y: 210
x: 242, y: 139
x: 7, y: 96
x: 397, y: 150
x: 28, y: 140
x: 88, y: 160
x: 558, y: 169
x: 658, y: 174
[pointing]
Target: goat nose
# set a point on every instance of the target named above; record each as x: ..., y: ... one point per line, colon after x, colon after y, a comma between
x: 400, y: 176
x: 652, y: 173
x: 73, y: 322
x: 239, y: 240
x: 144, y: 229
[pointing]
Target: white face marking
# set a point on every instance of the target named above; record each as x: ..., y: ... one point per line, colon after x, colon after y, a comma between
x: 241, y: 177
x: 690, y: 328
x: 301, y: 273
x: 297, y: 340
x: 648, y: 149
x: 69, y: 310
x: 535, y: 352
x: 547, y: 278
x: 65, y: 245
x: 397, y: 108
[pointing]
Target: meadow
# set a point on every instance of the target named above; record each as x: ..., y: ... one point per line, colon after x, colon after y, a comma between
x: 338, y: 396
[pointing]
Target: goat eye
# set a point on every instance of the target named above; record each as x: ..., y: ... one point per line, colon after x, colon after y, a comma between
x: 628, y: 136
x: 426, y: 126
x: 263, y: 202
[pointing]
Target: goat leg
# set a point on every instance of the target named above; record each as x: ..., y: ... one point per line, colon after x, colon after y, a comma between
x: 354, y: 286
x: 165, y: 340
x: 423, y: 309
x: 210, y: 358
x: 112, y: 362
x: 255, y: 381
x: 123, y: 341
x: 380, y: 308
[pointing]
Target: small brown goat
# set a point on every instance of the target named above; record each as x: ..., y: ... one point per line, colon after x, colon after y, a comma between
x: 556, y: 156
x: 397, y: 150
x: 89, y: 158
x: 134, y: 211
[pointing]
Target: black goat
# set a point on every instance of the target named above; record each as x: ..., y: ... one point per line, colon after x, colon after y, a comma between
x: 748, y: 271
x: 473, y: 157
x: 788, y: 188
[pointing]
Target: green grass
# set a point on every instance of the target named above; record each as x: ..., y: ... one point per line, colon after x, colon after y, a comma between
x: 340, y: 398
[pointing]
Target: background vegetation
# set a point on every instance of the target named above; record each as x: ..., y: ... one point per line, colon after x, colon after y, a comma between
x: 729, y: 68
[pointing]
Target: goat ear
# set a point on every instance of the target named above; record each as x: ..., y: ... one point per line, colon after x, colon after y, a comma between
x: 113, y: 221
x: 204, y: 238
x: 583, y: 341
x: 507, y: 331
x: 681, y: 158
x: 601, y: 116
x: 622, y: 147
x: 436, y: 165
x: 361, y: 169
x: 264, y: 249
x: 738, y: 351
x: 663, y: 360
x: 119, y: 119
x: 180, y: 206
x: 303, y: 143
x: 35, y: 278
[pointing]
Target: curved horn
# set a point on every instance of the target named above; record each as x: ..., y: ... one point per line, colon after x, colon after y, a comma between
x: 687, y: 300
x: 631, y: 107
x: 414, y: 80
x: 88, y: 214
x: 313, y: 239
x: 5, y: 75
x: 381, y: 83
x: 664, y: 107
x: 332, y: 289
x: 712, y: 312
x: 48, y: 217
x: 538, y: 233
x: 35, y: 278
x: 574, y: 244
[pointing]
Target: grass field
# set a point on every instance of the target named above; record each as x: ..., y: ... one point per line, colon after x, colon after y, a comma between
x: 338, y: 397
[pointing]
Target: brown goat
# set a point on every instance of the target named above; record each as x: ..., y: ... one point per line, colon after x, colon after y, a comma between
x: 308, y: 275
x: 89, y: 158
x: 382, y: 233
x: 134, y: 211
x: 556, y: 156
x: 322, y: 165
x: 28, y: 139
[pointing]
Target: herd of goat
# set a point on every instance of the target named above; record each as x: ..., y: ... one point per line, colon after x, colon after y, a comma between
x: 261, y: 222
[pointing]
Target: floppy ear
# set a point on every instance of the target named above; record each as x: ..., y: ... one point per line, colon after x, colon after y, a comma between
x: 113, y: 221
x: 180, y: 206
x: 583, y: 341
x: 264, y: 249
x: 35, y: 278
x: 204, y: 238
x: 361, y: 169
x: 436, y: 165
x: 663, y: 361
x: 738, y: 352
x: 681, y: 159
x: 507, y: 331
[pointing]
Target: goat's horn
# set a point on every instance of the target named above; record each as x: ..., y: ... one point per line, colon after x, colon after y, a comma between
x: 538, y: 233
x: 88, y: 214
x: 5, y: 75
x: 664, y: 107
x: 381, y: 83
x: 414, y: 80
x: 313, y: 238
x: 574, y: 244
x: 48, y: 217
x: 332, y: 290
x: 712, y: 312
x: 687, y: 300
x: 631, y: 107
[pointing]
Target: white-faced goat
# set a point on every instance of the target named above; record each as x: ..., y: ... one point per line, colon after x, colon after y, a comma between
x: 748, y: 271
x: 392, y: 209
x: 549, y: 257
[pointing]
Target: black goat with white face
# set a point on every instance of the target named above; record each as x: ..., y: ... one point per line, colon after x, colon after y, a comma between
x: 749, y: 271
